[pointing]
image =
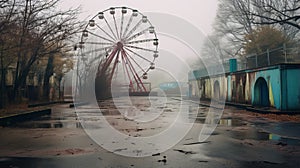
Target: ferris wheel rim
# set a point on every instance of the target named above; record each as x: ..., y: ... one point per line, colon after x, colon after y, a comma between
x: 95, y: 16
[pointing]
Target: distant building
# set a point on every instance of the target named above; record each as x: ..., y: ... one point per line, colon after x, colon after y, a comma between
x: 174, y: 88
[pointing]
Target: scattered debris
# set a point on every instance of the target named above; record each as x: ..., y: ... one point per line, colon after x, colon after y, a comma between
x: 195, y: 143
x: 156, y: 154
x: 281, y: 144
x: 164, y: 160
x: 248, y: 143
x: 139, y: 129
x: 203, y: 161
x: 119, y: 150
x: 185, y: 152
x: 269, y: 162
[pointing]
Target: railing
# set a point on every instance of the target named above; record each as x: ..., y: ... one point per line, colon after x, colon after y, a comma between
x: 270, y: 57
x: 273, y: 56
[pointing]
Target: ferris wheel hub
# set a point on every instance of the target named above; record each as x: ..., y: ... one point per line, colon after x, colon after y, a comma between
x: 120, y: 45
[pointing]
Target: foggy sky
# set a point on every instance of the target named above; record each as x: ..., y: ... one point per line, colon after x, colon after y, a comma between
x: 201, y: 13
x: 173, y: 53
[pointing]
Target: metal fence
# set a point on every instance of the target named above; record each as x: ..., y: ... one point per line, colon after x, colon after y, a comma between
x: 275, y: 56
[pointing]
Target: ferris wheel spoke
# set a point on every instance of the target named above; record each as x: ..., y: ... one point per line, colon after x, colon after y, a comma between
x: 110, y: 28
x: 122, y: 22
x: 109, y: 60
x: 129, y: 71
x: 101, y: 37
x: 140, y: 41
x: 124, y: 62
x: 116, y: 26
x: 124, y: 70
x: 134, y: 29
x: 89, y: 42
x: 105, y: 32
x: 134, y: 61
x: 135, y: 75
x: 127, y: 26
x: 98, y: 57
x: 114, y: 65
x: 98, y: 49
x: 137, y: 34
x: 139, y: 48
x: 138, y: 55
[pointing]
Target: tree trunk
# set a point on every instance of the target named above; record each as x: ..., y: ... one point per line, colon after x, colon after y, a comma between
x: 3, y: 96
x: 60, y: 94
x: 47, y: 75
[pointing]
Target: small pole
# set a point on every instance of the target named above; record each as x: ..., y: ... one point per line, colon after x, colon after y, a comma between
x: 256, y: 61
x: 285, y: 54
x: 268, y: 55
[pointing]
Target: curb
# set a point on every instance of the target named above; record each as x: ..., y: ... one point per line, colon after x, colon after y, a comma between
x: 278, y: 112
x: 72, y: 105
x: 47, y: 103
x: 253, y: 109
x: 12, y: 119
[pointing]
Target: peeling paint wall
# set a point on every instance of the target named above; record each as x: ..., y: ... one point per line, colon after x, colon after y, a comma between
x: 281, y: 85
x: 272, y: 77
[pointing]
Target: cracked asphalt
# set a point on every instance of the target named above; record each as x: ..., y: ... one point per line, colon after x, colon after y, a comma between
x: 241, y: 139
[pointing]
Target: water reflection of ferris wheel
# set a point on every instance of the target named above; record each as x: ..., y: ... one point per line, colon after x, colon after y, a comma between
x: 126, y: 43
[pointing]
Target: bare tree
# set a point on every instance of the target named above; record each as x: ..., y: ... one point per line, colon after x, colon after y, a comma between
x: 3, y: 3
x: 32, y: 30
x: 231, y: 25
x: 7, y: 44
x: 276, y: 12
x: 238, y: 18
x: 42, y: 32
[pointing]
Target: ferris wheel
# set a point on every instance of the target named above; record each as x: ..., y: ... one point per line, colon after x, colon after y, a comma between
x: 126, y: 43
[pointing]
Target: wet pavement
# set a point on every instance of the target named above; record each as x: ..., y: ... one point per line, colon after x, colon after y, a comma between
x: 59, y: 140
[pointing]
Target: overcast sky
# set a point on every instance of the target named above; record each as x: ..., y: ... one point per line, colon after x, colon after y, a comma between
x: 200, y: 13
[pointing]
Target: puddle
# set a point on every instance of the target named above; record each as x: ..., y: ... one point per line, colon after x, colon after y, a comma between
x: 200, y: 120
x: 290, y: 129
x: 264, y: 136
x: 48, y: 125
x: 26, y: 162
x: 196, y: 115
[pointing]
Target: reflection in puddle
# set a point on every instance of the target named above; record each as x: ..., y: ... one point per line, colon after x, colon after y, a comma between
x: 197, y: 114
x: 51, y: 118
x: 289, y: 141
x: 49, y: 125
x: 264, y: 136
x: 232, y: 122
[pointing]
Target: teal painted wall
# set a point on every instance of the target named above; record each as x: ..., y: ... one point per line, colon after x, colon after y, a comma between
x: 232, y: 65
x: 272, y: 77
x: 293, y: 89
x: 283, y: 86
